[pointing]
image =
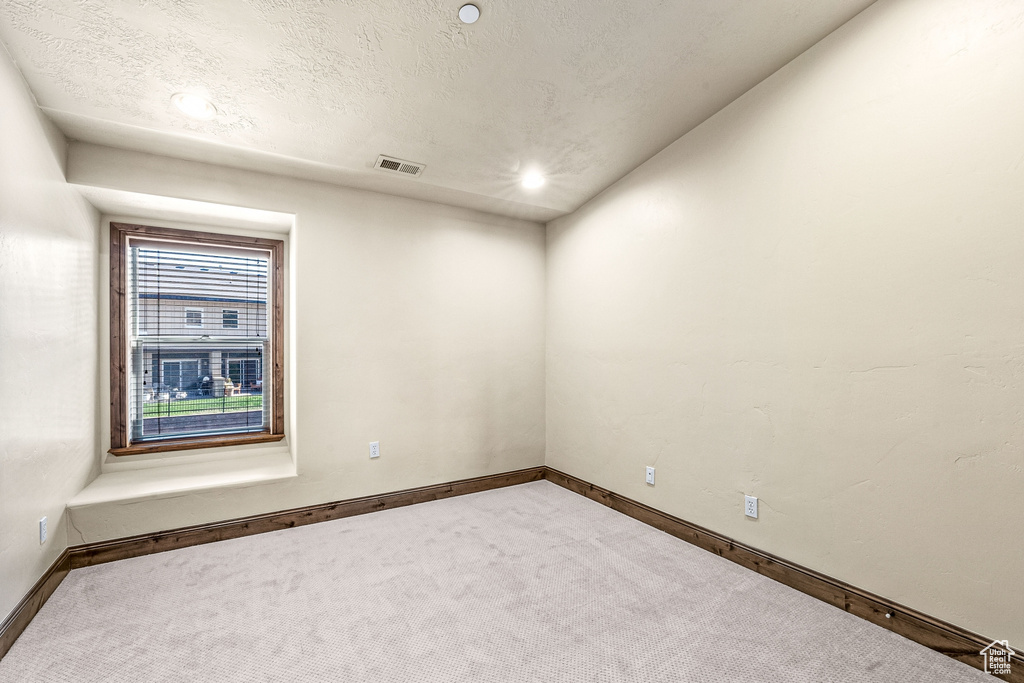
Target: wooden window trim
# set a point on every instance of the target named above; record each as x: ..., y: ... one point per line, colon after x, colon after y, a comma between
x: 119, y: 438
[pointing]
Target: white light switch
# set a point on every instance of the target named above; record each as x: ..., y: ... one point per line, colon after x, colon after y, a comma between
x: 375, y: 449
x: 650, y: 476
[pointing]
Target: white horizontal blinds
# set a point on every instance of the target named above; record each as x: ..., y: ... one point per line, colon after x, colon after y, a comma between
x: 199, y: 339
x: 179, y: 292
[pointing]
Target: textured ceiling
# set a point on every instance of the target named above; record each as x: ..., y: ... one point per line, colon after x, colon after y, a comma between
x: 583, y: 90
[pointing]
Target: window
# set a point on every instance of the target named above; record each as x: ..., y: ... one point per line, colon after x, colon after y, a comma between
x: 173, y: 386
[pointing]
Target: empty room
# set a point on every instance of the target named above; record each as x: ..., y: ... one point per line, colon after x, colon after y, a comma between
x: 417, y: 340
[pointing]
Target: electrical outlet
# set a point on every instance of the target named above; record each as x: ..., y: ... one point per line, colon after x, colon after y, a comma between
x: 650, y: 476
x: 42, y: 531
x: 375, y: 449
x: 750, y: 506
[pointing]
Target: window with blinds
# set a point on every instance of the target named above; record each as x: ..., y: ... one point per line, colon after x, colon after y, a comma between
x: 196, y: 339
x: 188, y: 378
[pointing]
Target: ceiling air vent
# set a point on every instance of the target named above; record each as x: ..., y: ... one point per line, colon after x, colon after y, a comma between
x: 393, y: 165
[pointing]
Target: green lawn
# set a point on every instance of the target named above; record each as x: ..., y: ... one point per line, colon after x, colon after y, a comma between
x: 199, y: 406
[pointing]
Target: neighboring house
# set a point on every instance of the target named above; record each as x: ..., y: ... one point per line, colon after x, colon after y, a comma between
x: 197, y: 306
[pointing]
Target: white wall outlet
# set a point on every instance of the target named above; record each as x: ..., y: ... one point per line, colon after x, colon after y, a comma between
x: 375, y: 449
x: 750, y: 506
x: 42, y: 531
x: 650, y: 476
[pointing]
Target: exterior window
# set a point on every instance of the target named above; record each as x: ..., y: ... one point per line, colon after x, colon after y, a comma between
x: 172, y: 386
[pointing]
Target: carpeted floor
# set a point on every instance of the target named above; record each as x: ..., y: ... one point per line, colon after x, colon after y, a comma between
x: 529, y: 583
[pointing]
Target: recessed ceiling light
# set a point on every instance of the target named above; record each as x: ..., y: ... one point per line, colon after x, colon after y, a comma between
x: 194, y: 106
x: 533, y: 180
x: 469, y: 13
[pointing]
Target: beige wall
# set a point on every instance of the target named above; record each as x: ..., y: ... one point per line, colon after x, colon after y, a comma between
x: 414, y: 324
x: 817, y: 297
x: 48, y: 357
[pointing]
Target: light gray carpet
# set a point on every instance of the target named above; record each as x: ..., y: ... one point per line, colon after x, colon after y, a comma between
x: 529, y: 583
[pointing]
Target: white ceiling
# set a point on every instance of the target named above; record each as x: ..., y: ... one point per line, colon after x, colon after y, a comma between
x: 583, y: 90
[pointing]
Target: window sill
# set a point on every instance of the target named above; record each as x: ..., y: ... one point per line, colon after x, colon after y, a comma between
x: 191, y: 444
x: 159, y: 482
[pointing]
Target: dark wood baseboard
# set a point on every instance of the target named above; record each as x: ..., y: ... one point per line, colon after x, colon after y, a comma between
x: 147, y: 544
x: 29, y: 606
x: 933, y: 633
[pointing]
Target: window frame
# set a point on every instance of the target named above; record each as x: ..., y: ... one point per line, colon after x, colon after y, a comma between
x: 194, y: 310
x: 120, y: 443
